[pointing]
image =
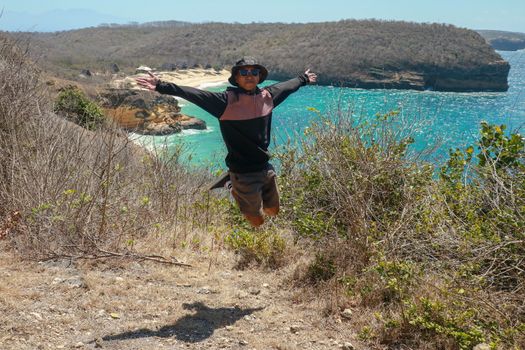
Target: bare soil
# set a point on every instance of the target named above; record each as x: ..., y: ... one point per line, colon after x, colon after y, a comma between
x: 145, y: 305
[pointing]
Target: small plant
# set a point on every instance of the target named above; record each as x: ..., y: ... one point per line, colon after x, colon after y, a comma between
x: 454, y: 321
x: 261, y: 247
x: 366, y: 334
x: 321, y: 269
x: 398, y: 278
x: 72, y: 103
x: 499, y: 149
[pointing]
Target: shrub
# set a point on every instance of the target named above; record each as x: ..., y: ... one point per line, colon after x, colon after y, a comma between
x: 257, y: 246
x: 438, y: 258
x: 72, y: 103
x: 73, y: 192
x: 321, y: 269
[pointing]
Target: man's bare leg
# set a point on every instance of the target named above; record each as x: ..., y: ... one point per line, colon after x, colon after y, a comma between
x: 255, y: 221
x: 271, y: 211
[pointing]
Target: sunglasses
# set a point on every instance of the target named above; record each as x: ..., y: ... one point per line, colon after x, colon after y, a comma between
x: 253, y: 72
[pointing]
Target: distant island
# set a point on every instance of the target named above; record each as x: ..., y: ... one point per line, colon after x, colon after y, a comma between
x: 352, y: 53
x: 504, y: 41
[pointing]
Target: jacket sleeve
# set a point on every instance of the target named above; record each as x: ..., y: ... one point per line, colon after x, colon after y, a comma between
x: 212, y: 102
x: 281, y: 91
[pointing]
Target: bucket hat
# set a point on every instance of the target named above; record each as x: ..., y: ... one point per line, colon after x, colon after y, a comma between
x: 248, y: 61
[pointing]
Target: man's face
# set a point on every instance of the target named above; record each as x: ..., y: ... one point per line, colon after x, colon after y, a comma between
x: 248, y: 77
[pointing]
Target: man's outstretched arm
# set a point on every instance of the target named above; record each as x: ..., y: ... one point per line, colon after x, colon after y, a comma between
x: 281, y: 91
x: 212, y: 102
x: 150, y: 82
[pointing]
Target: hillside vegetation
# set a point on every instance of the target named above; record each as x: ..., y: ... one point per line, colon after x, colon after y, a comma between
x: 505, y: 41
x: 366, y: 53
x: 404, y: 255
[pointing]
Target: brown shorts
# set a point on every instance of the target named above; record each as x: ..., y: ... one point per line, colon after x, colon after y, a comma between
x: 255, y: 191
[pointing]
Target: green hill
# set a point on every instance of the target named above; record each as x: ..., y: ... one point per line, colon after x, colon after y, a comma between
x: 365, y: 53
x: 505, y: 41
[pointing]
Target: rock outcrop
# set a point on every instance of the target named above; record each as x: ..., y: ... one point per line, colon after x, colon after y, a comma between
x: 143, y: 70
x: 146, y: 112
x: 490, y: 77
x: 86, y: 72
x: 168, y: 67
x: 505, y: 44
x: 504, y: 41
x: 114, y: 68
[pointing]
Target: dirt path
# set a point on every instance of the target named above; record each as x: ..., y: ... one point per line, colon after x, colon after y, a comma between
x: 59, y: 305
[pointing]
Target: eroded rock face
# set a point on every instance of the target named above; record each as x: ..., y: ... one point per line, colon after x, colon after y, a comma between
x: 489, y: 77
x: 508, y: 44
x: 187, y: 122
x: 146, y: 112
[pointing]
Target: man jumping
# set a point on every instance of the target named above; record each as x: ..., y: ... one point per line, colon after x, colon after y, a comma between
x: 245, y: 115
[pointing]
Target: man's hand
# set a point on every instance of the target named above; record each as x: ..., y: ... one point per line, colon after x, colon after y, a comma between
x: 149, y: 83
x: 312, y: 77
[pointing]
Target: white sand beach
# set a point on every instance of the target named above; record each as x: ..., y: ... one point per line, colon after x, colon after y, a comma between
x: 199, y: 78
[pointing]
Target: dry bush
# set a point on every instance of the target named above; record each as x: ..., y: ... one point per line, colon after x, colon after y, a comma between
x: 83, y: 193
x: 437, y: 261
x: 352, y: 182
x: 20, y: 96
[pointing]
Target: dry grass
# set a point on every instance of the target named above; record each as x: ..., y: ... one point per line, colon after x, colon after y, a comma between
x: 67, y: 191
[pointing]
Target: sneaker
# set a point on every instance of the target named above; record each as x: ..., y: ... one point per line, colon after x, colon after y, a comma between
x: 221, y: 182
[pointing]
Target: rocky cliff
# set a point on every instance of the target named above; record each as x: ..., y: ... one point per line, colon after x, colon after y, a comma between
x: 146, y: 112
x: 504, y: 44
x: 487, y: 76
x: 504, y: 41
x: 492, y: 77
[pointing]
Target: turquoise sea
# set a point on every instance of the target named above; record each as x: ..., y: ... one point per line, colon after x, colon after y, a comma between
x: 445, y: 119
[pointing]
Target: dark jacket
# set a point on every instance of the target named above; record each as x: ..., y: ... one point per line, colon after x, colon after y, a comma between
x: 245, y: 118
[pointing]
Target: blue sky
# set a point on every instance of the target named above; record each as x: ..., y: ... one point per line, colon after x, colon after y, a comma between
x: 50, y: 15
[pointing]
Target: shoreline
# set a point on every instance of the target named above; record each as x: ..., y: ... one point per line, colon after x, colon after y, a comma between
x: 209, y: 84
x: 158, y: 120
x: 197, y: 78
